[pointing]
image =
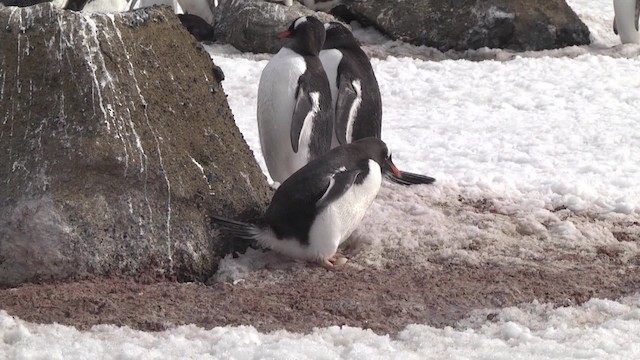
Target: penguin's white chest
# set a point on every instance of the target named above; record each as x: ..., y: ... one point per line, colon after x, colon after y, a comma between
x: 626, y: 21
x: 335, y: 223
x: 276, y: 104
x: 330, y: 60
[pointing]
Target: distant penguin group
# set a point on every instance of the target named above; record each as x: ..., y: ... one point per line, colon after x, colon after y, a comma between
x: 195, y: 15
x: 319, y: 115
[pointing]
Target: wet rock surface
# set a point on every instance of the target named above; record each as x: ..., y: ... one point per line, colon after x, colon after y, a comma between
x: 253, y: 25
x: 519, y: 25
x: 118, y: 143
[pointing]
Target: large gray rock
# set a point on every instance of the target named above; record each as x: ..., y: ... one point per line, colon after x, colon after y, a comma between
x: 117, y: 141
x: 21, y: 2
x: 253, y: 25
x: 470, y: 24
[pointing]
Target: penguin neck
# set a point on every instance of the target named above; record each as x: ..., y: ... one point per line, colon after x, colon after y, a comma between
x: 341, y: 41
x: 305, y: 48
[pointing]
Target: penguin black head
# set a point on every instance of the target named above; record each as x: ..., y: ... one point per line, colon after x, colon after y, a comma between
x: 305, y: 35
x: 378, y: 151
x: 339, y: 36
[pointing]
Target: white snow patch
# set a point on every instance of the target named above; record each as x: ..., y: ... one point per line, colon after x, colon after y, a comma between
x: 601, y: 329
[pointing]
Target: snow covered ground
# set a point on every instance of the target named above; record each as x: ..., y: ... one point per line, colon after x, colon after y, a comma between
x: 599, y: 329
x: 543, y: 131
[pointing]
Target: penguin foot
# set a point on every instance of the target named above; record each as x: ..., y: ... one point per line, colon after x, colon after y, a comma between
x: 335, y: 262
x: 335, y: 257
x: 327, y: 264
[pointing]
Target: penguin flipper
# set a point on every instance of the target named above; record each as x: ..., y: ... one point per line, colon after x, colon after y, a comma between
x: 347, y: 104
x: 339, y: 183
x: 615, y: 27
x: 237, y: 228
x: 307, y: 105
x: 407, y: 178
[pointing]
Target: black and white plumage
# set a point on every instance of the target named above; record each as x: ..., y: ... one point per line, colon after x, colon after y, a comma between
x: 355, y: 93
x: 294, y: 112
x: 625, y: 21
x: 354, y: 88
x: 320, y: 205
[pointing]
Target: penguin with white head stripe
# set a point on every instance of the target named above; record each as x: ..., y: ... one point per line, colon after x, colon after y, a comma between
x: 294, y: 111
x: 320, y: 205
x: 355, y: 93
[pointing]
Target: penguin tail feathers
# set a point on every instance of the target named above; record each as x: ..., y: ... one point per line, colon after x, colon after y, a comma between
x: 237, y: 228
x: 407, y: 178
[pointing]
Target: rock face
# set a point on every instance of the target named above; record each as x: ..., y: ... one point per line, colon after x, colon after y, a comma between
x: 253, y: 25
x: 22, y: 2
x: 117, y: 141
x: 470, y: 24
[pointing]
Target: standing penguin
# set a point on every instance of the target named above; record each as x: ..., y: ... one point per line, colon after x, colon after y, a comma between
x: 354, y: 88
x: 295, y: 116
x: 320, y: 205
x: 355, y: 93
x: 625, y: 21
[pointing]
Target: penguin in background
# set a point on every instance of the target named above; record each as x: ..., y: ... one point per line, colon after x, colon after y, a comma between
x: 355, y: 93
x: 358, y: 112
x: 319, y: 206
x: 294, y: 110
x: 625, y: 21
x: 199, y: 8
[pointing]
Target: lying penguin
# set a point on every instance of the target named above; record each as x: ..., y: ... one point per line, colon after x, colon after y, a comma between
x: 320, y: 205
x: 355, y: 93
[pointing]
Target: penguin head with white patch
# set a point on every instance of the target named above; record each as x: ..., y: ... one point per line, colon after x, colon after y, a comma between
x: 339, y: 36
x: 305, y: 35
x: 378, y: 151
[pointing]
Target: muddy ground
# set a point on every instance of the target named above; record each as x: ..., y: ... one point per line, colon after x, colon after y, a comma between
x: 308, y: 296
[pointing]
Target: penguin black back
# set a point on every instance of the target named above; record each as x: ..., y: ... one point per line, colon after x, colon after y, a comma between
x: 293, y: 207
x: 354, y: 71
x: 358, y: 102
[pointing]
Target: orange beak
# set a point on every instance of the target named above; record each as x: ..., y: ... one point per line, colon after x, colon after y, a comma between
x: 284, y: 34
x: 394, y: 169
